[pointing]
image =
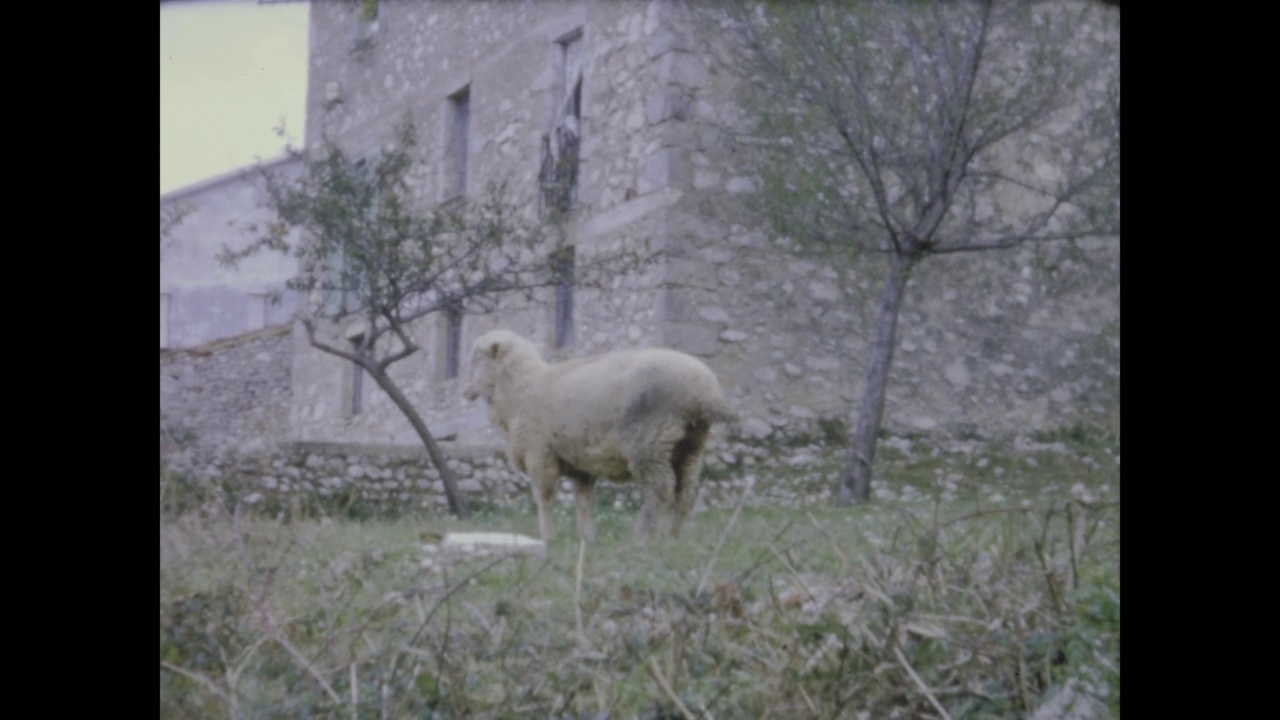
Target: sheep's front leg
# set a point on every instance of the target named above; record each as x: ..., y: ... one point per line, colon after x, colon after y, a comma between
x: 543, y: 474
x: 582, y: 493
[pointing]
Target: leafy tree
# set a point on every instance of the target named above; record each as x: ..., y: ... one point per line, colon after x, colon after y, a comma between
x: 916, y: 129
x: 368, y: 252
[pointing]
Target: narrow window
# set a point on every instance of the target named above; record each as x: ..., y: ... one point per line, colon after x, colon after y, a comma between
x: 461, y: 124
x: 562, y: 265
x: 164, y: 320
x: 452, y: 341
x: 335, y: 270
x: 357, y: 378
x: 560, y: 147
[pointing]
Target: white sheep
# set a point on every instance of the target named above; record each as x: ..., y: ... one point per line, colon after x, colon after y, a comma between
x: 640, y: 415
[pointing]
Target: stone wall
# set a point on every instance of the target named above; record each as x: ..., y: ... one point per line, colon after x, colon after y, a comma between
x: 397, y: 479
x: 326, y: 479
x: 224, y: 399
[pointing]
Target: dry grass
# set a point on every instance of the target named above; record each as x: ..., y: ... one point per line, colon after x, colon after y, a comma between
x: 916, y: 607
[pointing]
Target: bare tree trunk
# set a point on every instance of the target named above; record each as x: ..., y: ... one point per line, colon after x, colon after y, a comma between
x: 457, y: 503
x: 855, y: 484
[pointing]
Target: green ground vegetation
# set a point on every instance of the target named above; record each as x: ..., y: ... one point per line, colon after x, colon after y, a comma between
x: 979, y: 583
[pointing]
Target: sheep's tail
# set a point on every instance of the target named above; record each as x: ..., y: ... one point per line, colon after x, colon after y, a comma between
x: 717, y: 410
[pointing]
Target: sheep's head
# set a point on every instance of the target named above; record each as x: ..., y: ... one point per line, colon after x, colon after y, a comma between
x: 486, y: 358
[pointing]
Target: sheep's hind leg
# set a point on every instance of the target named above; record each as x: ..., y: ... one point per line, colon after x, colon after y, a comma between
x: 686, y: 461
x: 689, y: 477
x: 654, y: 472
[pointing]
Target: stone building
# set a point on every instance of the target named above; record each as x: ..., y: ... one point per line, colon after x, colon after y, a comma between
x: 612, y: 111
x: 201, y: 300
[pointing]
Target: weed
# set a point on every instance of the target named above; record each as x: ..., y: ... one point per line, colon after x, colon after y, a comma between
x: 977, y: 606
x: 835, y: 431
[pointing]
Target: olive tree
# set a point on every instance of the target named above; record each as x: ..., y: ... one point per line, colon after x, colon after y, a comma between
x: 370, y: 253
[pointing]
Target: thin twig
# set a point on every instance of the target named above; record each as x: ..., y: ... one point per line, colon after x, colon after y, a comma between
x: 715, y: 552
x: 666, y: 687
x: 807, y: 700
x: 233, y: 673
x: 760, y: 558
x: 983, y: 513
x: 1023, y: 691
x: 601, y: 703
x: 306, y: 665
x: 577, y: 590
x: 427, y: 620
x: 386, y: 695
x: 1074, y: 535
x: 479, y: 616
x: 1049, y: 580
x: 868, y: 588
x: 794, y: 573
x: 416, y: 652
x: 830, y: 538
x: 450, y: 593
x: 355, y: 694
x: 950, y: 618
x: 920, y: 683
x: 204, y: 682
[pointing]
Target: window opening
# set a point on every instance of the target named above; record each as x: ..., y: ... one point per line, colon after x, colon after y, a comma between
x: 461, y: 126
x: 561, y: 147
x: 563, y: 266
x: 357, y: 378
x: 452, y: 341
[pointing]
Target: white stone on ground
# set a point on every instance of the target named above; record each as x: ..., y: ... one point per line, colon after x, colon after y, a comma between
x: 494, y: 541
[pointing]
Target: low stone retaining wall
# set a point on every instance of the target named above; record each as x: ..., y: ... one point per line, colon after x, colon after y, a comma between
x: 398, y: 479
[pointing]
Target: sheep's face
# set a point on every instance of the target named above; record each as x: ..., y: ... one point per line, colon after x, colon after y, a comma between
x: 484, y: 366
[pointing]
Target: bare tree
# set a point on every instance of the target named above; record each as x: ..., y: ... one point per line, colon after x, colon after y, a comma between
x: 171, y: 217
x: 914, y: 129
x: 369, y: 254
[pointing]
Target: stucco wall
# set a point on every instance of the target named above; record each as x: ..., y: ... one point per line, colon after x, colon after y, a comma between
x: 203, y: 300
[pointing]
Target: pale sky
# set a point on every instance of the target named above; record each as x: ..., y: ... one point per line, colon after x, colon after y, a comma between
x: 229, y: 71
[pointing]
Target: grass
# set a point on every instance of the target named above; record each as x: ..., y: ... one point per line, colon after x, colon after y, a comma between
x: 961, y: 591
